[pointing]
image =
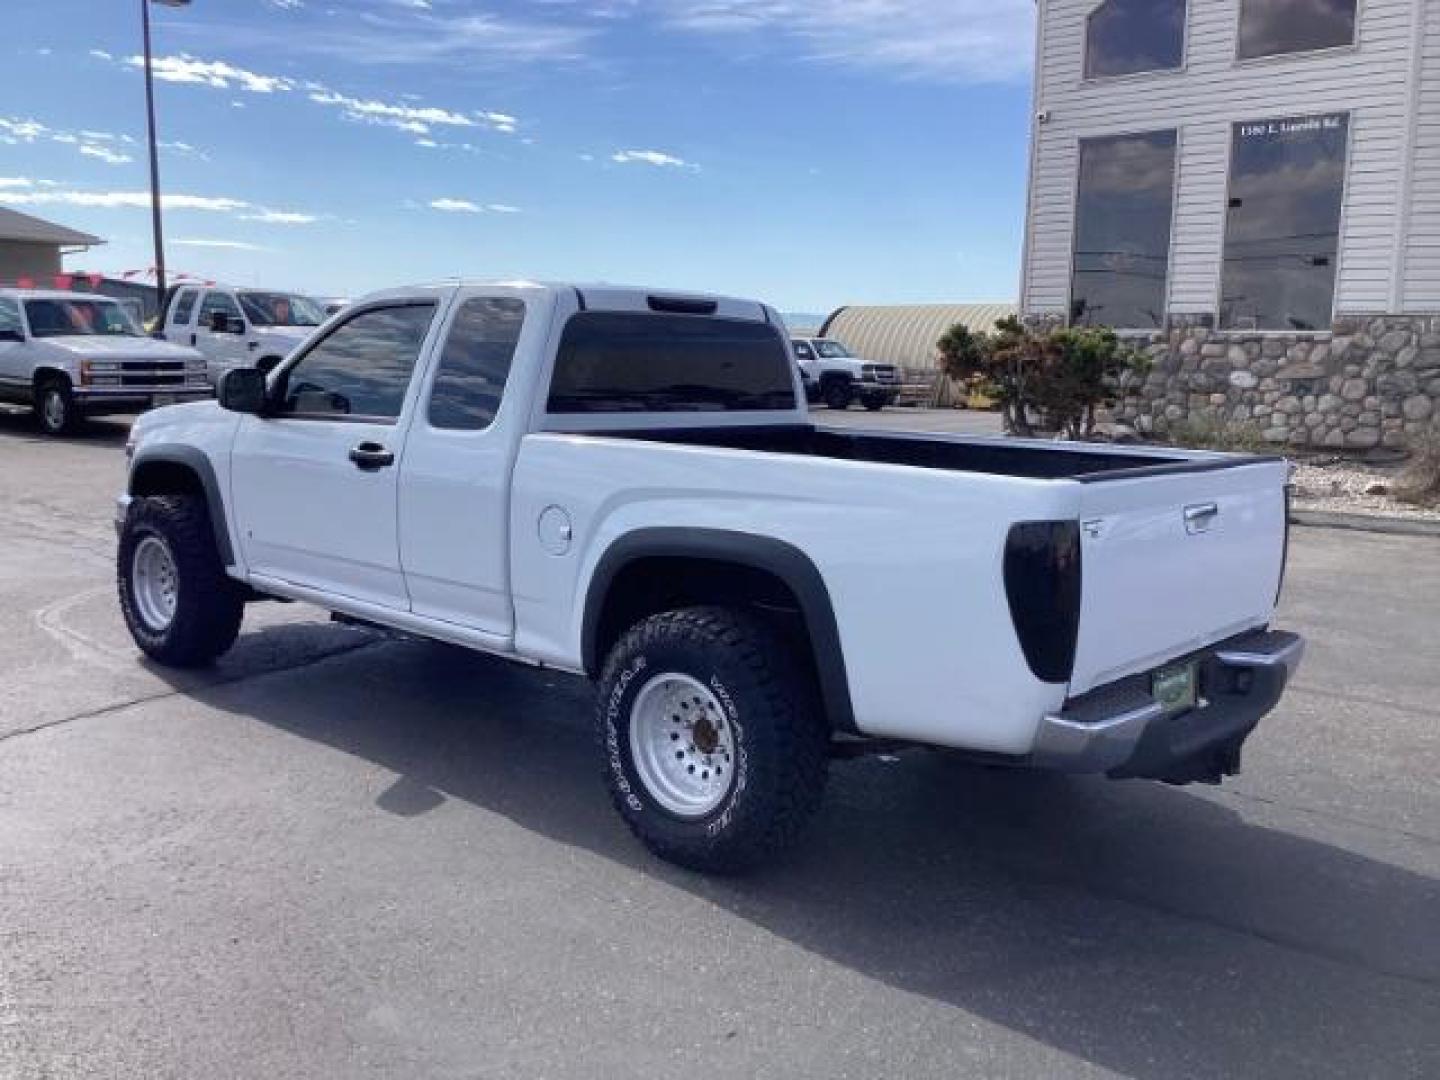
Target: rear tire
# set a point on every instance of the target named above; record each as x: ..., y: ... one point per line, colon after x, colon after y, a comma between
x: 181, y: 607
x: 719, y: 691
x: 55, y: 408
x: 874, y: 404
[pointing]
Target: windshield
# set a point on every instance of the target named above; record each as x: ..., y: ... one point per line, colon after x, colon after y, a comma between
x: 830, y: 349
x: 281, y: 309
x: 70, y: 318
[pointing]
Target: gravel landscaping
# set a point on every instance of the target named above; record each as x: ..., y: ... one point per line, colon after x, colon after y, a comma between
x: 1339, y: 486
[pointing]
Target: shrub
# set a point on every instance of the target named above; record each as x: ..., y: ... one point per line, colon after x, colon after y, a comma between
x: 1061, y: 376
x: 1206, y: 432
x: 1419, y: 482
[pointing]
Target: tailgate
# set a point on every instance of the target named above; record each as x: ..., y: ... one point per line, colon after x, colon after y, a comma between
x: 1174, y: 562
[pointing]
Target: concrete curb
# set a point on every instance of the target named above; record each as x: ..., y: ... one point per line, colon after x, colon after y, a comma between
x: 1374, y: 523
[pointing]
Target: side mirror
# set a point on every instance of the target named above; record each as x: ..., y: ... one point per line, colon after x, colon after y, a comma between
x: 242, y: 390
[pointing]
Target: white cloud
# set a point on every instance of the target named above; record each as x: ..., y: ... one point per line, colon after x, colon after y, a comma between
x: 652, y: 157
x: 281, y: 217
x: 101, y: 54
x: 216, y: 73
x: 21, y: 191
x: 455, y: 206
x: 416, y: 119
x: 502, y: 208
x: 229, y: 245
x: 135, y: 199
x: 105, y: 154
x: 286, y: 5
x: 93, y: 144
x: 941, y: 40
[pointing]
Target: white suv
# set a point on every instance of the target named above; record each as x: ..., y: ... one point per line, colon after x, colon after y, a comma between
x: 240, y: 327
x: 68, y: 355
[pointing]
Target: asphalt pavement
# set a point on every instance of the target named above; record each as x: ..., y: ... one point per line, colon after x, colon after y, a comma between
x: 343, y: 855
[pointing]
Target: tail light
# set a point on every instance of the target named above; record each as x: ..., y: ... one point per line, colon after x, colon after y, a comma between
x: 1042, y: 584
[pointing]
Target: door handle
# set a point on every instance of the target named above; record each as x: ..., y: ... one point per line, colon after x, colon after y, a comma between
x: 1200, y: 517
x: 370, y: 456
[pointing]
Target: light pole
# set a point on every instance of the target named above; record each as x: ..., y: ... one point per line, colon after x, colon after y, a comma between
x: 154, y: 148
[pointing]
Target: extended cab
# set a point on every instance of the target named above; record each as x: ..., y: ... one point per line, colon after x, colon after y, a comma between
x: 626, y: 484
x: 842, y: 377
x: 70, y: 355
x: 239, y: 327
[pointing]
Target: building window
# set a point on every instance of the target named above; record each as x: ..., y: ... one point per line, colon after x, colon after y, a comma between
x: 1282, y: 226
x: 1122, y: 230
x: 1275, y: 27
x: 1125, y: 37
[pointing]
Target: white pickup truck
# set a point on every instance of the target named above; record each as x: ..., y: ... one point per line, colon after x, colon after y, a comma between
x: 71, y: 355
x: 839, y: 377
x: 239, y: 327
x: 626, y: 484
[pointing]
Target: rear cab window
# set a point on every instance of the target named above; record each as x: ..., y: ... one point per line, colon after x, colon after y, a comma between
x: 646, y: 362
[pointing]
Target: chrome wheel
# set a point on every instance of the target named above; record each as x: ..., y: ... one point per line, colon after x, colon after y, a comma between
x: 682, y: 745
x: 53, y: 409
x: 155, y: 583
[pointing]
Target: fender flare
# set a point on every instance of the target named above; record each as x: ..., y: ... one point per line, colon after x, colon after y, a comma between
x: 195, y: 460
x: 784, y: 561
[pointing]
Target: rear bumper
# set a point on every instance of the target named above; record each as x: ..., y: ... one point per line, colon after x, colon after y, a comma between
x: 1120, y: 730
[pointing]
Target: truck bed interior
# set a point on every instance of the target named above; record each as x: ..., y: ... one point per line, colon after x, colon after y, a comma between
x: 1060, y: 461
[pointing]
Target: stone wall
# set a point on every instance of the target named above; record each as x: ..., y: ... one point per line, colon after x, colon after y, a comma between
x: 1370, y: 382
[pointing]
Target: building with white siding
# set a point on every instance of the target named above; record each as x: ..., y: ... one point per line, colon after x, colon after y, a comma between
x: 1257, y: 183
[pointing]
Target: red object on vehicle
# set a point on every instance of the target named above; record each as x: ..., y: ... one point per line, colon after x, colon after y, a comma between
x: 63, y: 281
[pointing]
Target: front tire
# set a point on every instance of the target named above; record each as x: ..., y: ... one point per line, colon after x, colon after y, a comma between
x: 714, y: 745
x: 875, y: 403
x: 55, y: 408
x: 181, y: 607
x: 837, y: 393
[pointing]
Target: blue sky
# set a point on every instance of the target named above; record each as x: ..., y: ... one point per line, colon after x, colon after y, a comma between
x: 810, y: 152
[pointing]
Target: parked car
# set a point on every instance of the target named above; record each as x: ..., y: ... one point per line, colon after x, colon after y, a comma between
x: 841, y: 377
x: 627, y: 484
x: 69, y: 355
x: 239, y: 327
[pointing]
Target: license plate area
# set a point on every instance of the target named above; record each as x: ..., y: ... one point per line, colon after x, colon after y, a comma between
x: 1175, y: 688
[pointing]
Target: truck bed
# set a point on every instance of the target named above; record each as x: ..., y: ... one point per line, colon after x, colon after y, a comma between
x: 954, y: 453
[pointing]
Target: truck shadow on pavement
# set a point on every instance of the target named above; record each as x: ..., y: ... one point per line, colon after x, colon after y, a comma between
x: 100, y: 431
x: 1149, y: 930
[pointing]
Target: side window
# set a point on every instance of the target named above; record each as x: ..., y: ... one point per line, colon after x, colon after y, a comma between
x: 1127, y: 37
x: 218, y: 302
x: 360, y: 369
x: 1274, y: 27
x: 803, y: 351
x: 475, y: 363
x: 1282, y: 222
x: 184, y: 307
x: 10, y: 325
x: 1123, y: 206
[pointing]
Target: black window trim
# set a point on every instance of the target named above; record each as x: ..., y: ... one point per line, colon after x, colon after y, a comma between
x: 282, y: 372
x: 1179, y: 130
x: 1148, y: 73
x: 1353, y: 45
x: 1328, y: 331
